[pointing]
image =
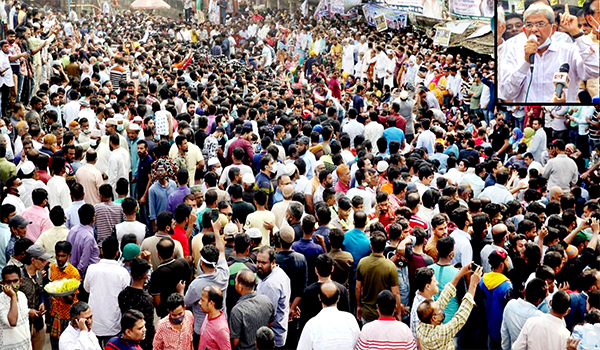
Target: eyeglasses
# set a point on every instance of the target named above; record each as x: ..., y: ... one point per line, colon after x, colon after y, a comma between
x: 540, y: 25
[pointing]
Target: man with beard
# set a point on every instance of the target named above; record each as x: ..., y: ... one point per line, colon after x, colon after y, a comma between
x: 326, y: 181
x: 497, y: 288
x: 275, y: 284
x: 118, y: 163
x: 309, y: 158
x: 180, y: 159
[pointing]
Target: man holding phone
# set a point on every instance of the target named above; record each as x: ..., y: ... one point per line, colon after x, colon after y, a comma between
x: 79, y: 334
x: 15, y: 334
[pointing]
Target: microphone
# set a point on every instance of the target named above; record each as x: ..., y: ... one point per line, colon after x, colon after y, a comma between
x: 561, y: 79
x: 532, y: 56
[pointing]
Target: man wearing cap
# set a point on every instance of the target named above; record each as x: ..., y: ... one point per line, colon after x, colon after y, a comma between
x: 31, y: 286
x: 497, y: 287
x: 111, y: 128
x: 248, y: 181
x: 27, y: 175
x: 18, y: 229
x: 133, y: 132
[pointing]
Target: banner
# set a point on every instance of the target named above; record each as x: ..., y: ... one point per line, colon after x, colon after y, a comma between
x: 472, y: 9
x: 394, y: 19
x: 442, y: 37
x: 428, y: 8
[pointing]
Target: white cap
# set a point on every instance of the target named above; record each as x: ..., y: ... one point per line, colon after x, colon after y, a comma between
x: 404, y: 95
x: 382, y: 166
x: 288, y: 169
x: 319, y: 163
x: 137, y: 118
x: 111, y: 121
x: 213, y: 161
x: 28, y: 167
x: 134, y: 127
x: 248, y: 178
x: 254, y: 233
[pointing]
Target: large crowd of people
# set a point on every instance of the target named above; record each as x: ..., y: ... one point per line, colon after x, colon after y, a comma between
x: 263, y: 179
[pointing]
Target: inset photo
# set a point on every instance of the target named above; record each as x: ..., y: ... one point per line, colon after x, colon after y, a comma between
x: 548, y: 52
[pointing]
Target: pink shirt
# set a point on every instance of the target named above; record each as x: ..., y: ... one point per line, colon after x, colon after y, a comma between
x: 91, y: 180
x: 40, y: 221
x: 215, y: 334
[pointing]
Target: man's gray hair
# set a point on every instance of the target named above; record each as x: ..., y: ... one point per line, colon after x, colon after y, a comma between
x: 296, y: 209
x: 540, y: 8
x: 78, y: 308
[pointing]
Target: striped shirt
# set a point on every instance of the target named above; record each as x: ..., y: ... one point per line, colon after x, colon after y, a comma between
x: 250, y: 313
x: 386, y: 333
x: 440, y: 337
x: 117, y: 75
x: 108, y: 214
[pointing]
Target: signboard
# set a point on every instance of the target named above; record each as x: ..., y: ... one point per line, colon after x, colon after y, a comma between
x: 472, y: 9
x: 394, y: 19
x: 427, y: 8
x: 380, y: 22
x: 442, y: 37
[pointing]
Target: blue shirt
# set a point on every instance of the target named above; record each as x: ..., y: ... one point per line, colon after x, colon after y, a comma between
x: 445, y: 274
x: 133, y: 155
x: 442, y: 158
x: 452, y: 149
x: 357, y: 244
x: 393, y: 134
x: 158, y: 197
x: 5, y: 236
x: 72, y: 214
x: 323, y: 231
x: 309, y: 249
x: 177, y: 197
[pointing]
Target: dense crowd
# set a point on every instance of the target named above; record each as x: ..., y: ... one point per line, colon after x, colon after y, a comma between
x: 266, y: 180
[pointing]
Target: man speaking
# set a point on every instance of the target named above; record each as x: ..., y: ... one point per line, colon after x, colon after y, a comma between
x: 529, y: 69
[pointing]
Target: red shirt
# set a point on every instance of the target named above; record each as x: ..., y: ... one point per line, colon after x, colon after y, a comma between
x: 179, y: 235
x: 215, y: 333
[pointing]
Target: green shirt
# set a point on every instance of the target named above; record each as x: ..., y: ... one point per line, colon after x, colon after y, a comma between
x: 476, y: 89
x: 376, y: 273
x: 445, y: 274
x: 7, y: 169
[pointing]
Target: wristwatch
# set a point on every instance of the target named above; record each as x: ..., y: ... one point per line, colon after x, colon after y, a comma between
x: 578, y: 35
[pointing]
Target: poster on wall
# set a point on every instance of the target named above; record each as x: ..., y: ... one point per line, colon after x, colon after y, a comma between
x: 442, y: 37
x: 472, y: 9
x: 380, y: 22
x: 394, y: 19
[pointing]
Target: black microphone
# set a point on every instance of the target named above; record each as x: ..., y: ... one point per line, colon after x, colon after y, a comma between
x: 561, y: 79
x: 532, y: 56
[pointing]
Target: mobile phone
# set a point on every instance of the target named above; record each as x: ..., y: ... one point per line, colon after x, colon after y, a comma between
x: 589, y: 221
x: 214, y: 215
x: 474, y: 267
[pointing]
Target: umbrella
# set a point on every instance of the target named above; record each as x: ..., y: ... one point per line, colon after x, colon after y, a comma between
x: 149, y: 5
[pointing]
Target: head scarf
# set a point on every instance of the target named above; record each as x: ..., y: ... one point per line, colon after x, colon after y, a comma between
x: 518, y: 136
x: 529, y: 132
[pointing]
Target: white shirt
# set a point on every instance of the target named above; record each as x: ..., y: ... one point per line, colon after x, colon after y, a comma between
x: 16, y: 201
x: 244, y: 169
x: 104, y: 281
x: 367, y: 203
x: 545, y: 332
x: 427, y: 139
x: 583, y: 61
x: 27, y: 188
x: 7, y: 78
x: 497, y: 194
x: 135, y: 227
x: 118, y: 166
x: 330, y: 329
x: 74, y: 339
x: 59, y: 192
x: 309, y: 158
x: 373, y: 131
x: 453, y: 84
x: 354, y: 128
x: 19, y: 336
x: 463, y: 252
x: 71, y: 111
